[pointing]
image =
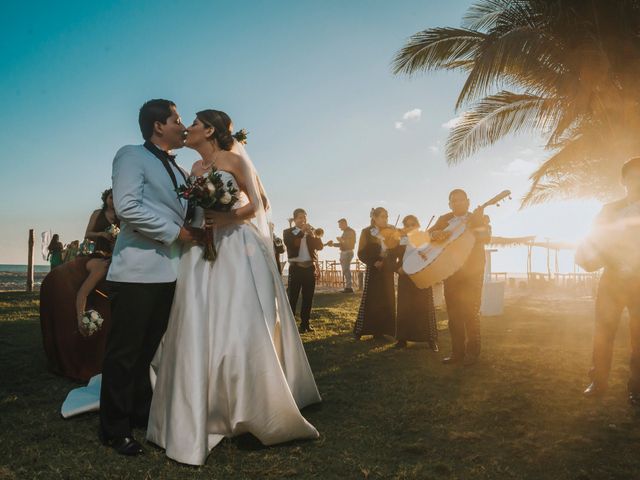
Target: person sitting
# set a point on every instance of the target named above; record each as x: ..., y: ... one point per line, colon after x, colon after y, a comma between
x: 70, y: 351
x: 102, y: 229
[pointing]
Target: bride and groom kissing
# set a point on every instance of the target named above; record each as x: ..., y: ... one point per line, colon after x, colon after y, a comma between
x: 220, y: 338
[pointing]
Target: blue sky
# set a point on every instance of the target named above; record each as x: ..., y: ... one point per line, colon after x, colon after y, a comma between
x: 310, y: 80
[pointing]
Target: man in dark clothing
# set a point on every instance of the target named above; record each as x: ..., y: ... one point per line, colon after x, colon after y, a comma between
x: 613, y: 244
x: 463, y: 290
x: 302, y: 251
x: 346, y: 243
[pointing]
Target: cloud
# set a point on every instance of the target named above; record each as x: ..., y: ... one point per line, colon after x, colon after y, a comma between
x: 414, y: 114
x: 518, y: 167
x: 411, y: 116
x: 434, y: 148
x: 452, y: 123
x: 526, y: 151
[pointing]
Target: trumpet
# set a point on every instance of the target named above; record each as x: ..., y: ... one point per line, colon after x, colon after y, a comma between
x: 318, y: 232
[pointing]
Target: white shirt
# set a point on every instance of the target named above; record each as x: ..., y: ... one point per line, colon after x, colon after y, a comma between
x: 303, y: 253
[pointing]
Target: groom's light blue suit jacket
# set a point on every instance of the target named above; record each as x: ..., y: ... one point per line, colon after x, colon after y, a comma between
x: 150, y: 214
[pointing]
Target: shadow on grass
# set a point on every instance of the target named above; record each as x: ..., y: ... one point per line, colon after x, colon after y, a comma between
x: 386, y: 413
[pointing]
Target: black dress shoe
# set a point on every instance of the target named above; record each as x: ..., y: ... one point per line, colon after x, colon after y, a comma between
x: 124, y: 445
x: 434, y: 346
x: 634, y: 399
x: 400, y: 344
x: 347, y: 290
x: 379, y: 338
x: 594, y: 390
x: 306, y: 328
x: 451, y: 360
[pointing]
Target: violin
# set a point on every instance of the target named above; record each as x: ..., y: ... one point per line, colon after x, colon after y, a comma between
x: 391, y: 235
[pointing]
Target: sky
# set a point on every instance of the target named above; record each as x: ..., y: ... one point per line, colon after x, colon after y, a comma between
x: 331, y: 129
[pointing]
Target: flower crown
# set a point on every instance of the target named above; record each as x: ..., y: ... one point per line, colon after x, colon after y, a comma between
x: 241, y: 136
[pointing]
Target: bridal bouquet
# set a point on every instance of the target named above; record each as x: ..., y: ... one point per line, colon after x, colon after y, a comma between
x: 113, y: 230
x: 91, y: 322
x: 212, y: 193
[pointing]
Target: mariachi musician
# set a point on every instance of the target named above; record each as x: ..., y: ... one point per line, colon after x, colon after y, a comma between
x: 614, y: 244
x: 377, y: 312
x: 463, y: 290
x: 302, y: 251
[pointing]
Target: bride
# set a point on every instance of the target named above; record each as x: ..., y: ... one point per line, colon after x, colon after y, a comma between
x: 231, y: 361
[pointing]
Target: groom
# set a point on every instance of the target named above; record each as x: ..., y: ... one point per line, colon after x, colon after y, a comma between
x: 143, y: 269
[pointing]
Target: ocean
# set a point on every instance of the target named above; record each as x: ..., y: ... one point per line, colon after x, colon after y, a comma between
x: 14, y: 277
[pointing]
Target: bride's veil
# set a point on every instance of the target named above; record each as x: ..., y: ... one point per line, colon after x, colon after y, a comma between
x: 257, y: 197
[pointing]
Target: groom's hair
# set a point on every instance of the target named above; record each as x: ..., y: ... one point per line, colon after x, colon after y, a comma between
x: 156, y: 110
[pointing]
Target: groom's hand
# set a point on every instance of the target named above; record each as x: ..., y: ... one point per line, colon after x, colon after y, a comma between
x: 191, y: 235
x: 214, y: 217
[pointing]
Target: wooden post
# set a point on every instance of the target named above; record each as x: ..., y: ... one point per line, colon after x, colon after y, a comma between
x: 30, y: 262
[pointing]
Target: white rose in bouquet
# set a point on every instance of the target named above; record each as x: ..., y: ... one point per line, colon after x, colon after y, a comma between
x: 91, y: 322
x: 226, y: 198
x: 211, y: 187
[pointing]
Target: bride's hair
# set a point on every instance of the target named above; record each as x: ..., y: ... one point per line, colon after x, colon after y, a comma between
x: 221, y: 124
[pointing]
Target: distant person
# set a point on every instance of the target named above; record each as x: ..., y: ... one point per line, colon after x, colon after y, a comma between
x: 463, y: 289
x: 71, y: 251
x: 103, y: 228
x: 377, y: 312
x: 55, y: 251
x: 346, y: 243
x: 416, y: 318
x: 278, y: 247
x: 302, y: 251
x: 614, y: 244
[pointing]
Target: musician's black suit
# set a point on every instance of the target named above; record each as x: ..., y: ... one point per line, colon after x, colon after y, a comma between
x: 619, y: 287
x: 463, y: 290
x: 302, y: 275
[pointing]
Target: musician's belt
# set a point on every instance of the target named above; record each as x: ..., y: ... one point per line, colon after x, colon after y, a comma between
x: 302, y: 264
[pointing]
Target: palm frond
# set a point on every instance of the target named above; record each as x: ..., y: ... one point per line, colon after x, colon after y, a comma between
x: 437, y: 48
x: 490, y: 14
x: 496, y: 116
x: 503, y: 58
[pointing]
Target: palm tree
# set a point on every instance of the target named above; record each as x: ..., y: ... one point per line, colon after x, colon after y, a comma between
x: 567, y: 69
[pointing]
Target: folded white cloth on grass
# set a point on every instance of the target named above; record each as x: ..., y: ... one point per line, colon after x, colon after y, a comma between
x: 83, y: 399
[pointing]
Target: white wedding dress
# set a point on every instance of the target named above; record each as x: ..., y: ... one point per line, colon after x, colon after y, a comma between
x: 231, y: 360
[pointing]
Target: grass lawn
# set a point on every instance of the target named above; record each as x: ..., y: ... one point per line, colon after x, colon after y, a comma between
x: 386, y: 413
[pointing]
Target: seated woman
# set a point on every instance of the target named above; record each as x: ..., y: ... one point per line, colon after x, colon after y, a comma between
x: 70, y: 352
x: 102, y: 230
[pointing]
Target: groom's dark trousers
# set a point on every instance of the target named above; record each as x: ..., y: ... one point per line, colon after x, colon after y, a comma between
x: 139, y: 312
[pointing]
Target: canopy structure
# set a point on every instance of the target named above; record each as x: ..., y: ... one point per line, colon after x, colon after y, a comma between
x: 530, y: 242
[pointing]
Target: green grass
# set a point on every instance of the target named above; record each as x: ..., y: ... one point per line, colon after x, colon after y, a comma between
x: 386, y: 413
